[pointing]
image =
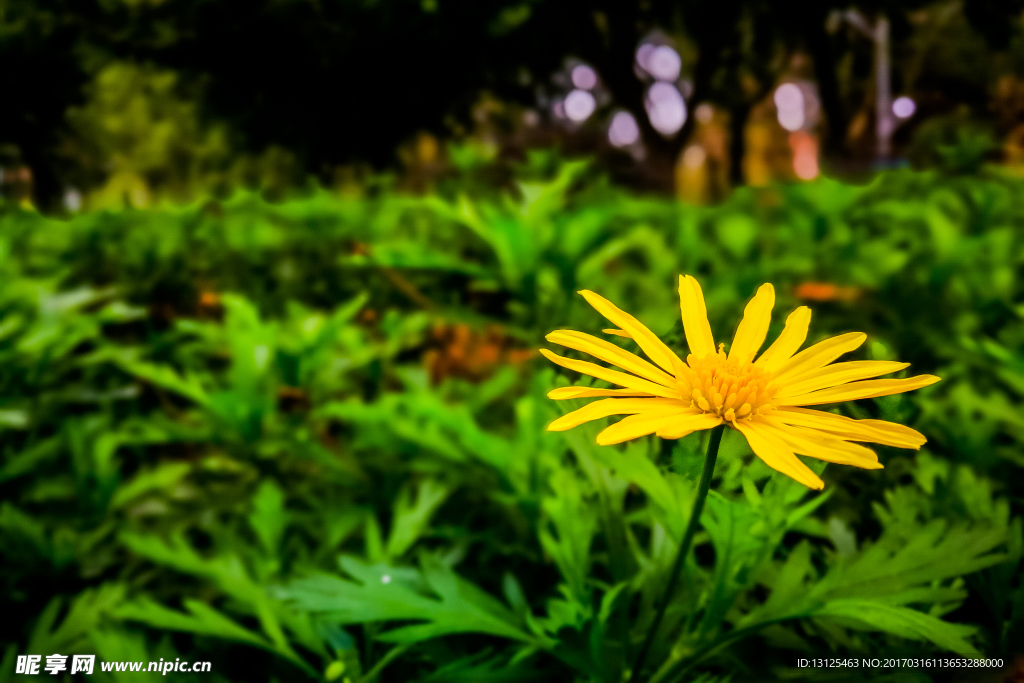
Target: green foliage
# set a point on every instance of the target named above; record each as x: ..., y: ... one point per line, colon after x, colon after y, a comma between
x: 223, y: 434
x: 954, y: 144
x: 140, y: 139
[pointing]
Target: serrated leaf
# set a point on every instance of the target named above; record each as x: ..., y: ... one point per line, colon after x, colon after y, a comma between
x: 200, y: 618
x: 412, y: 515
x: 161, y: 477
x: 268, y: 518
x: 574, y: 524
x: 900, y: 621
x: 87, y: 610
x: 166, y: 377
x: 447, y: 604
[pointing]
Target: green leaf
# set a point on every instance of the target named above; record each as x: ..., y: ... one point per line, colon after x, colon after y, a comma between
x: 121, y: 645
x: 268, y: 517
x: 165, y: 377
x: 229, y: 574
x: 200, y: 618
x: 483, y: 667
x: 14, y: 419
x: 935, y: 552
x: 160, y: 478
x: 574, y: 525
x: 635, y: 466
x: 869, y: 615
x: 27, y: 460
x: 380, y: 593
x: 412, y: 515
x: 85, y: 613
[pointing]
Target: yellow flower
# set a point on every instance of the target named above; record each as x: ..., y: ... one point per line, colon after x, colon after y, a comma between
x: 763, y: 399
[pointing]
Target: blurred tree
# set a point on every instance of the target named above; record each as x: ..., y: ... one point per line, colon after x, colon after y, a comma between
x: 139, y: 138
x: 335, y: 81
x: 134, y: 133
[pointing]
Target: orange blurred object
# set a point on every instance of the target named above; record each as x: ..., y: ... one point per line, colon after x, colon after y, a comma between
x: 805, y: 155
x: 292, y: 399
x: 469, y: 354
x: 702, y: 170
x: 209, y: 300
x: 825, y: 291
x: 1017, y: 675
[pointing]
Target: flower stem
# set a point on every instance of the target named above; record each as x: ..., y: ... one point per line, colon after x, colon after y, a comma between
x: 684, y: 547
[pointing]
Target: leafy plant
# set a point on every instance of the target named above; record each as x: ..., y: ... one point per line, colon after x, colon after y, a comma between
x: 219, y: 436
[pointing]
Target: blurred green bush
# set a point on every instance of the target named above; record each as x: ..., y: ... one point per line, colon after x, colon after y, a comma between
x: 307, y: 438
x: 139, y: 138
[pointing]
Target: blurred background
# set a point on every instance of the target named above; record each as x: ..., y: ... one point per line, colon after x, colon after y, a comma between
x: 116, y: 101
x: 273, y: 274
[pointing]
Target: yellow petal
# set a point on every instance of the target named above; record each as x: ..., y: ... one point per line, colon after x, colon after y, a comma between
x: 616, y: 406
x: 618, y: 333
x: 689, y: 424
x: 840, y: 373
x: 856, y: 390
x: 635, y: 426
x: 876, y: 431
x: 754, y: 325
x: 610, y: 353
x: 819, y: 355
x: 655, y: 349
x: 789, y: 342
x: 563, y: 393
x: 822, y: 446
x: 893, y: 432
x: 695, y: 317
x: 613, y: 376
x: 776, y: 454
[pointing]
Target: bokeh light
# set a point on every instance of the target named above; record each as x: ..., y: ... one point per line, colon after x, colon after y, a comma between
x: 805, y: 155
x: 664, y: 63
x: 584, y: 77
x: 789, y: 101
x: 643, y: 56
x: 624, y: 130
x: 694, y: 156
x: 579, y: 105
x: 904, y: 107
x: 665, y: 108
x: 704, y: 113
x: 72, y: 200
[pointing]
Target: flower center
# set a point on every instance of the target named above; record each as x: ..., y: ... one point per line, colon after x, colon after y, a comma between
x: 726, y: 388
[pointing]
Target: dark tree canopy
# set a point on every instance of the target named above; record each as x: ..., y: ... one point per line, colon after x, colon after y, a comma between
x: 340, y: 80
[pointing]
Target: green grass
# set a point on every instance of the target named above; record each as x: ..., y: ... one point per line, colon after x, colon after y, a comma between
x: 221, y: 440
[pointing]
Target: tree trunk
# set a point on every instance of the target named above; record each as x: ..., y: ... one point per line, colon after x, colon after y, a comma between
x: 820, y: 46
